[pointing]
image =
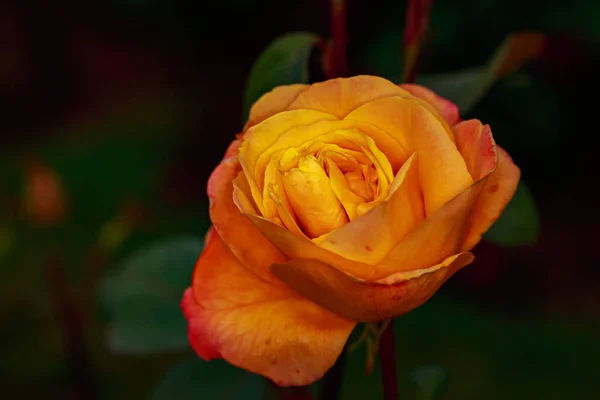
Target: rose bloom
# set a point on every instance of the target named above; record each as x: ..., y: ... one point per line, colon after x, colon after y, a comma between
x: 350, y: 200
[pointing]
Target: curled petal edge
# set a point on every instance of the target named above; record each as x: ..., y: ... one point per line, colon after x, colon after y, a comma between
x: 366, y: 301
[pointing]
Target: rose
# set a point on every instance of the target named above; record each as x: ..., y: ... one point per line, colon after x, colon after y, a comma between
x: 347, y: 200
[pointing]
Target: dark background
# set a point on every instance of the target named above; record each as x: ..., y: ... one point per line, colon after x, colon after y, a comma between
x: 125, y: 106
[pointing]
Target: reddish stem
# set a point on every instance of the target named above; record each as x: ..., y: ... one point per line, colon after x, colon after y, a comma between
x: 71, y: 323
x: 417, y: 22
x: 337, y: 55
x: 332, y: 382
x: 293, y: 393
x: 387, y: 355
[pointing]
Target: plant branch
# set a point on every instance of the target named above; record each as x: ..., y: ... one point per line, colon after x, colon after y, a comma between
x: 387, y: 356
x: 332, y: 382
x: 337, y: 54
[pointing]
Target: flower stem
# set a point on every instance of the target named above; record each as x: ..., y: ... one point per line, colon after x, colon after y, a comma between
x: 417, y: 22
x: 337, y: 54
x: 332, y: 382
x: 387, y: 356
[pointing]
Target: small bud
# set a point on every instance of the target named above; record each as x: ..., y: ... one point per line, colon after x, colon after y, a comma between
x: 44, y: 199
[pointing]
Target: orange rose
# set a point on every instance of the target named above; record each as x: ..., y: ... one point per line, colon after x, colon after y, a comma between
x: 344, y: 201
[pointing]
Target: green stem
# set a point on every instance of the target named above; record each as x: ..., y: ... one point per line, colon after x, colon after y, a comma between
x: 387, y: 356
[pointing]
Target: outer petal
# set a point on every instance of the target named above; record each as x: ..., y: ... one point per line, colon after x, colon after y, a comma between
x: 477, y: 147
x: 439, y: 236
x: 497, y: 192
x: 367, y: 301
x: 271, y: 103
x: 446, y: 108
x: 244, y: 240
x: 342, y: 95
x: 442, y: 171
x: 443, y: 233
x: 370, y: 237
x: 261, y: 326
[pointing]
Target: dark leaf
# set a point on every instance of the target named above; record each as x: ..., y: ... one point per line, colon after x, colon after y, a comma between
x: 143, y: 296
x: 285, y: 61
x: 519, y: 224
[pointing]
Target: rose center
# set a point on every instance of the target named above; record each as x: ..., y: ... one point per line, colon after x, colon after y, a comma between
x: 327, y: 185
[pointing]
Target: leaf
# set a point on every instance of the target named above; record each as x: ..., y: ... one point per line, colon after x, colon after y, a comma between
x: 283, y: 62
x: 196, y: 379
x: 467, y: 87
x: 142, y: 297
x: 426, y: 383
x: 519, y: 224
x: 452, y: 85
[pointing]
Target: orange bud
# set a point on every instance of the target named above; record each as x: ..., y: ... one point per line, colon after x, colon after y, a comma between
x: 44, y: 199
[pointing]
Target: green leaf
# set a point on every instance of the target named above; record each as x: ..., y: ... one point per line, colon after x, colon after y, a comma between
x: 452, y: 85
x: 519, y: 224
x: 283, y: 62
x: 426, y: 383
x: 143, y: 295
x: 196, y: 379
x: 467, y: 87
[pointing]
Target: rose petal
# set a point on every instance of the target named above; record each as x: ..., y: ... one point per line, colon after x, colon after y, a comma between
x: 439, y: 236
x: 272, y: 102
x: 370, y: 237
x: 366, y: 301
x: 447, y: 109
x: 340, y: 96
x: 442, y: 171
x: 257, y: 325
x: 262, y: 136
x: 342, y: 133
x: 349, y: 200
x: 312, y: 198
x: 477, y: 147
x: 296, y: 247
x: 497, y: 192
x: 242, y: 237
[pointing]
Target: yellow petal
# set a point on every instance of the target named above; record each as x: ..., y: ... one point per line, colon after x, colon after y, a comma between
x: 341, y: 189
x: 261, y: 326
x: 258, y: 138
x: 366, y: 301
x: 273, y: 102
x: 442, y: 171
x: 296, y: 247
x: 311, y: 197
x: 242, y: 196
x: 370, y: 237
x: 340, y: 96
x: 341, y: 133
x: 437, y: 237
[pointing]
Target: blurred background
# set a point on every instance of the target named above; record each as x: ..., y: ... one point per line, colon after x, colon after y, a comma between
x: 115, y: 112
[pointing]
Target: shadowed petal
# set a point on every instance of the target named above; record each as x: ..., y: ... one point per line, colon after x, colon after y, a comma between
x: 367, y: 301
